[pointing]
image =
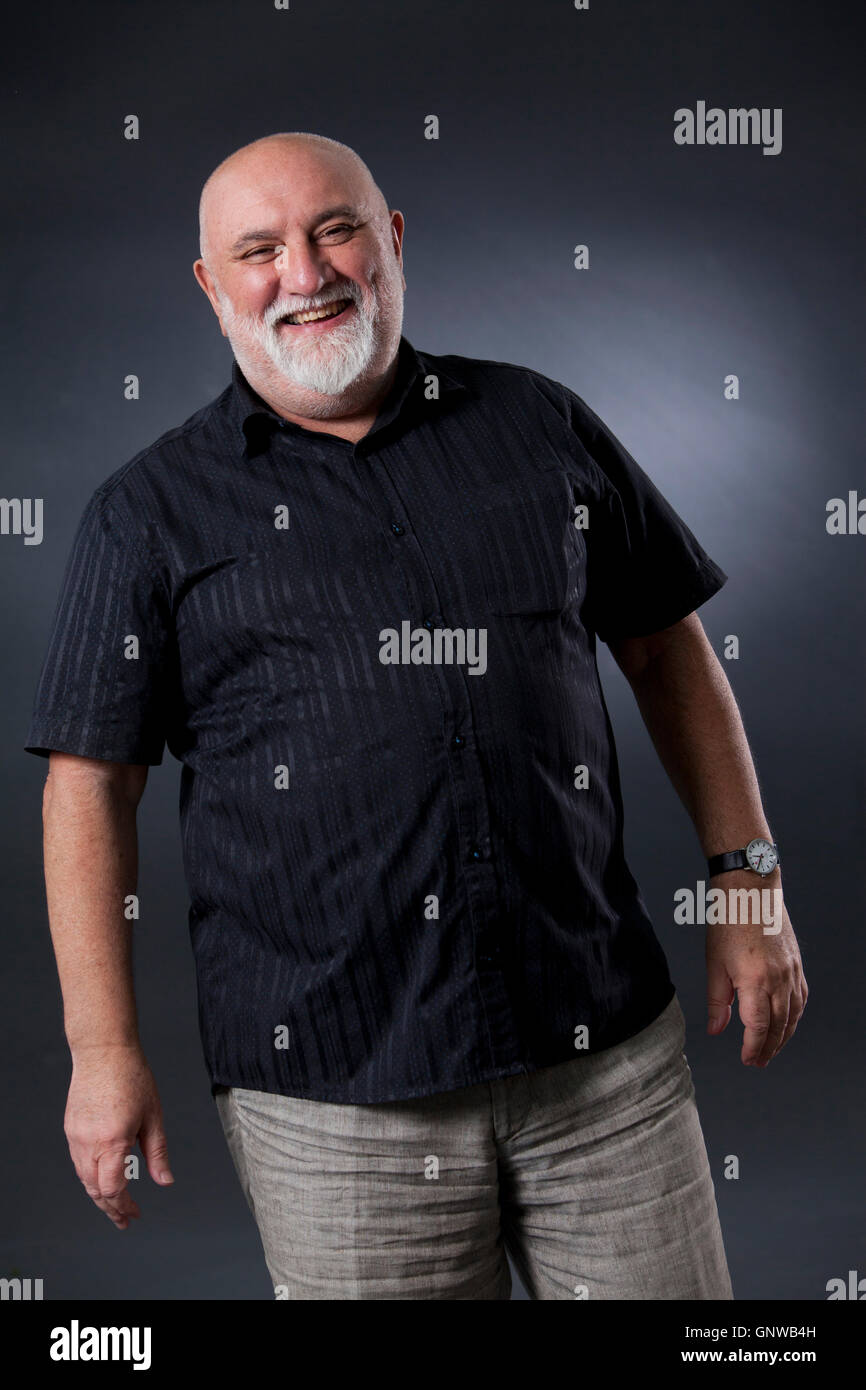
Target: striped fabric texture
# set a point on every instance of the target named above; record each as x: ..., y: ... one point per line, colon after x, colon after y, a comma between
x: 400, y: 803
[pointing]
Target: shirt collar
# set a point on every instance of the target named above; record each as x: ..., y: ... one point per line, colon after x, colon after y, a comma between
x: 257, y: 421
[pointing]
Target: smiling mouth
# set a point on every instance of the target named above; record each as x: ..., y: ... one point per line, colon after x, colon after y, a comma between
x: 326, y: 311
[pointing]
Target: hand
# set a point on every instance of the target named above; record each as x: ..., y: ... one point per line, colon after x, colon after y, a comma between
x: 766, y: 972
x: 113, y: 1102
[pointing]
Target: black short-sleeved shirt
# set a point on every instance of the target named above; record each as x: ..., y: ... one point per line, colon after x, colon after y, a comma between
x: 401, y: 882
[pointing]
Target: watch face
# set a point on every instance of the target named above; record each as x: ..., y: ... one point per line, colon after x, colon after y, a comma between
x: 761, y: 856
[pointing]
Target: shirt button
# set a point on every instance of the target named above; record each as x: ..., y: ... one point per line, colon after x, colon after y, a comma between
x: 435, y: 621
x: 397, y: 528
x: 458, y: 741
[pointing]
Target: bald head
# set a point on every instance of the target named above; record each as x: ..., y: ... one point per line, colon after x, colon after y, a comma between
x: 283, y: 159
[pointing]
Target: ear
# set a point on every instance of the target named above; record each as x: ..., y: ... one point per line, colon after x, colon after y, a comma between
x: 205, y: 279
x: 398, y: 227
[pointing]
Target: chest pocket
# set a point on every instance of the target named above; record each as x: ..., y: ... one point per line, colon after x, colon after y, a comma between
x: 530, y: 555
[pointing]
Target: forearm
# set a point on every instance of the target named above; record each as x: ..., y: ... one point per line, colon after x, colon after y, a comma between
x: 91, y: 865
x: 689, y: 709
x: 692, y: 717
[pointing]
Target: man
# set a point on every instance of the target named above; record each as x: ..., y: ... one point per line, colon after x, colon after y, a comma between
x: 358, y: 596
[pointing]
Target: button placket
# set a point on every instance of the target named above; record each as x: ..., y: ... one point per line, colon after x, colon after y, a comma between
x: 471, y: 808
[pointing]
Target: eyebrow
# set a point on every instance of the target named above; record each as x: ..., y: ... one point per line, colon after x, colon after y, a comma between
x: 341, y: 210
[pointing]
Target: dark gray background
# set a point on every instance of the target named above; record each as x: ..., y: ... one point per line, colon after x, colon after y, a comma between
x: 556, y: 128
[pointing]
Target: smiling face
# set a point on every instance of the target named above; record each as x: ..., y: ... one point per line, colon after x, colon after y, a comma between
x: 294, y: 229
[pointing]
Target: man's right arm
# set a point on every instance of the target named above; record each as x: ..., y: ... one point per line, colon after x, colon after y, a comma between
x: 91, y: 865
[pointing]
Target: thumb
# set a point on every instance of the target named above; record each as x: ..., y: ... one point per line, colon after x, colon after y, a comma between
x: 153, y: 1145
x: 720, y: 996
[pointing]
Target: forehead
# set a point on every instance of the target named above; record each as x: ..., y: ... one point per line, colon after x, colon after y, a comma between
x: 281, y: 190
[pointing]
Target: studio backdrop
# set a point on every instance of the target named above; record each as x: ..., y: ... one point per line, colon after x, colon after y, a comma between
x: 658, y: 205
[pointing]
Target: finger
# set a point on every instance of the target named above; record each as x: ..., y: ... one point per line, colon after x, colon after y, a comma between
x: 118, y: 1213
x: 153, y: 1145
x: 720, y: 997
x: 115, y: 1213
x: 755, y: 1015
x: 795, y: 1013
x: 780, y: 1005
x: 85, y: 1160
x: 112, y: 1183
x: 102, y: 1177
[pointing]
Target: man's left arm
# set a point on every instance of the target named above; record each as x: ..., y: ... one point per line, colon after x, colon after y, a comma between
x: 690, y: 711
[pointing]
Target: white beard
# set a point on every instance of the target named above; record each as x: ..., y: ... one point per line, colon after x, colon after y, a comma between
x: 326, y: 363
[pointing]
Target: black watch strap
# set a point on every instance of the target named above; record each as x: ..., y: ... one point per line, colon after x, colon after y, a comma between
x: 734, y: 859
x: 722, y: 863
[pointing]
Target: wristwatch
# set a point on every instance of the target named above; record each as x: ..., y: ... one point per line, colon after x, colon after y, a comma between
x: 759, y: 855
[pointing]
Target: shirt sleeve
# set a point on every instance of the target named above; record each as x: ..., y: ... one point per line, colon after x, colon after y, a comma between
x: 645, y: 568
x: 106, y: 680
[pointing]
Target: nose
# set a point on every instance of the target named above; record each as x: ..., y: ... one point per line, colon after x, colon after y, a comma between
x: 302, y: 269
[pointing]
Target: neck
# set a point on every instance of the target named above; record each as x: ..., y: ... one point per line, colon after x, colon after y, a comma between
x: 354, y: 411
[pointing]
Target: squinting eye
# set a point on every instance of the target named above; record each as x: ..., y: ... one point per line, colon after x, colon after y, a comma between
x: 344, y: 227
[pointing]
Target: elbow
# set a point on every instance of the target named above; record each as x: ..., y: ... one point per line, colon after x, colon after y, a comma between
x: 83, y: 778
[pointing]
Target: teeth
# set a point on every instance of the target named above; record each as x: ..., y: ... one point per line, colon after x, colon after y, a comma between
x: 327, y: 311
